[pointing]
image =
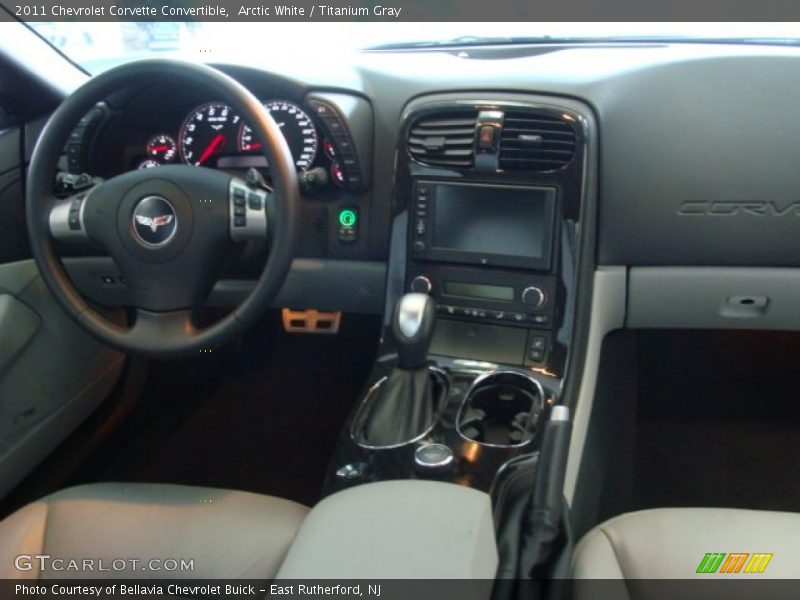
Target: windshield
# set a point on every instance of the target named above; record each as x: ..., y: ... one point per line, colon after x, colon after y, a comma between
x: 98, y: 46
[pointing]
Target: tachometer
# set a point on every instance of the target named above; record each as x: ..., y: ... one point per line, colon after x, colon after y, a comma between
x: 208, y: 133
x: 297, y: 128
x: 161, y: 147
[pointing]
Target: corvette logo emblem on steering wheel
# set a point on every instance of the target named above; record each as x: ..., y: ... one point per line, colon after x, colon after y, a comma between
x: 155, y: 222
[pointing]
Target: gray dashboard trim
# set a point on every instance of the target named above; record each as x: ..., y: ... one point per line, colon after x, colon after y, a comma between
x: 714, y: 298
x: 607, y: 314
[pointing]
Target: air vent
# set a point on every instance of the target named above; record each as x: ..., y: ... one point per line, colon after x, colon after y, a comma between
x: 446, y: 138
x: 536, y: 141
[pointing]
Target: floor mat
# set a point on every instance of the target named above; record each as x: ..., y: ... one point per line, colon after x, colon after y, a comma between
x: 719, y: 420
x: 719, y: 464
x: 265, y: 418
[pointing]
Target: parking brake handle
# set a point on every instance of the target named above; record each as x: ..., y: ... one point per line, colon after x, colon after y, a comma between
x: 545, y: 517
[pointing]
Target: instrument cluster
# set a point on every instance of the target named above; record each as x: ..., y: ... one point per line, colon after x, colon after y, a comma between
x: 214, y: 135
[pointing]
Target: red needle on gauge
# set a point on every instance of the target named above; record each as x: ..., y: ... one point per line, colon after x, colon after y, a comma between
x: 218, y: 139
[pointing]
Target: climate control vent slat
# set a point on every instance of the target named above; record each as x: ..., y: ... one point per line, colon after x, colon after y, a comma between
x: 554, y: 135
x: 419, y: 131
x: 446, y: 151
x: 416, y: 140
x: 445, y: 138
x: 534, y: 141
x: 446, y: 122
x: 554, y: 123
x: 522, y: 152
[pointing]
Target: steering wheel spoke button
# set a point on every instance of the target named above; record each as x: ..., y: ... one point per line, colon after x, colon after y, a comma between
x: 74, y: 218
x: 253, y: 201
x: 247, y: 212
x: 433, y: 459
x: 66, y: 218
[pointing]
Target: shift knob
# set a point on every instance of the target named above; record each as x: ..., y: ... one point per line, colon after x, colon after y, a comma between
x: 414, y: 318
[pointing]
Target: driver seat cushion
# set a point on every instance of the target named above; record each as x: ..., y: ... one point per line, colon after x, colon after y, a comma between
x: 228, y: 534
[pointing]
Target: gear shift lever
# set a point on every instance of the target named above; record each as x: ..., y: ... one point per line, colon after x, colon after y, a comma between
x: 414, y: 318
x: 403, y: 408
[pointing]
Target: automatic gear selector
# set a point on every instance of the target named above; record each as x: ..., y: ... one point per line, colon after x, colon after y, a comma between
x: 403, y: 407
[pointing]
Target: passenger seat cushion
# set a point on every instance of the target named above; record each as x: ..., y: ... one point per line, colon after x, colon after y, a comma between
x: 227, y: 534
x: 668, y: 543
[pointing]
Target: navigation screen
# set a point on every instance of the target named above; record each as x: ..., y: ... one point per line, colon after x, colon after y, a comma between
x: 494, y: 220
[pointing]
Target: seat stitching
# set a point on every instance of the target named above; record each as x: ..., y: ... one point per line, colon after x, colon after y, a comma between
x: 619, y: 562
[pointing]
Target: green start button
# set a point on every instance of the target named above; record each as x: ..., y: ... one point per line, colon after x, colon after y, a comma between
x: 348, y: 218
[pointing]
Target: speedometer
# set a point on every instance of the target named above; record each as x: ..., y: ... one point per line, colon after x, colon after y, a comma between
x: 208, y: 133
x: 297, y: 128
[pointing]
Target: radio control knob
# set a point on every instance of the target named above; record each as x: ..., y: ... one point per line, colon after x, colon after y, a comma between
x: 421, y: 284
x: 533, y: 296
x: 418, y: 247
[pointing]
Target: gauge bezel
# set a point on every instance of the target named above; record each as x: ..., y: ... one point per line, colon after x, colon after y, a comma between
x: 167, y: 157
x: 298, y: 108
x: 190, y: 117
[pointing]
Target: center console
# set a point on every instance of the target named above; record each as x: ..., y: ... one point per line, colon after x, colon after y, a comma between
x: 491, y: 214
x: 485, y: 252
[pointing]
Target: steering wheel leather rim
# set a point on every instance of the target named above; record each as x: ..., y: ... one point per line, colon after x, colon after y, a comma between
x: 164, y: 337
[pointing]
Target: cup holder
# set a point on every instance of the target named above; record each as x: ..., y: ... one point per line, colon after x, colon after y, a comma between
x: 501, y: 409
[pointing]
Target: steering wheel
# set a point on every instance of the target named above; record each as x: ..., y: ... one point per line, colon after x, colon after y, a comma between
x: 167, y: 228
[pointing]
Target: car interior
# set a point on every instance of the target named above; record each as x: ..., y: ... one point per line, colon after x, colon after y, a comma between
x: 478, y: 311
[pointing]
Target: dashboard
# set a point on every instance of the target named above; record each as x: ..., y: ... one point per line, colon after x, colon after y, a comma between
x: 712, y: 166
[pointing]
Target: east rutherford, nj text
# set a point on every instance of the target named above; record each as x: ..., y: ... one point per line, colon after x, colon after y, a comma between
x: 320, y: 10
x: 322, y: 590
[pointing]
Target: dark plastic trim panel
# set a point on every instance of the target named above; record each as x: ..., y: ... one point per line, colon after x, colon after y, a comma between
x: 346, y: 285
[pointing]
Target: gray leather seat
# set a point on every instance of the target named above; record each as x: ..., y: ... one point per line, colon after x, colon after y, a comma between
x: 403, y: 529
x: 226, y: 534
x: 671, y: 543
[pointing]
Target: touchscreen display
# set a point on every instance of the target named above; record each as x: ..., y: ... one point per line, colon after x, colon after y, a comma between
x: 495, y: 220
